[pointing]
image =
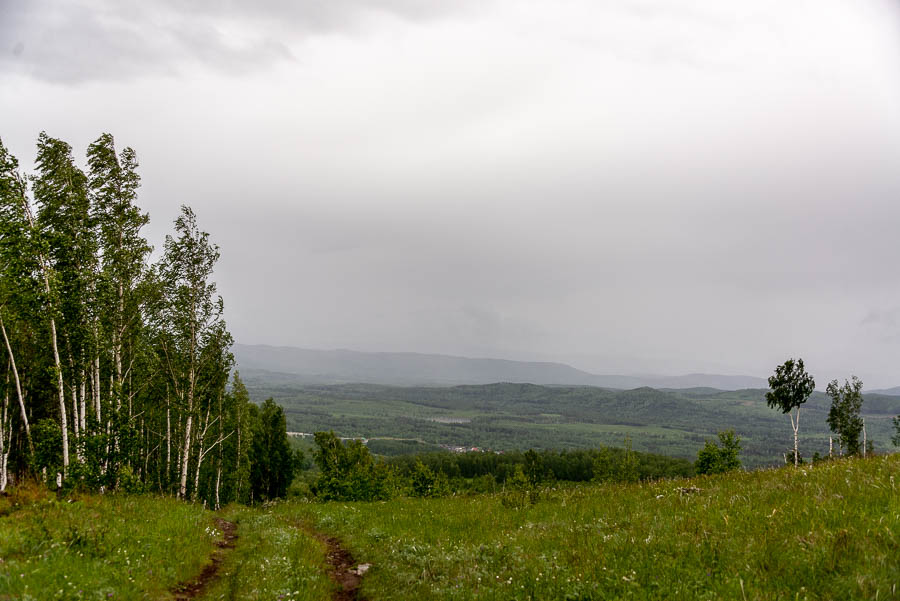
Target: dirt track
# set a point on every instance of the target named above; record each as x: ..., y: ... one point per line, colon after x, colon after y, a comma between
x: 191, y: 589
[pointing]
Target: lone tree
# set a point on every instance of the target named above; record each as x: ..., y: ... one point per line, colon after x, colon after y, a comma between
x: 843, y: 417
x: 790, y: 388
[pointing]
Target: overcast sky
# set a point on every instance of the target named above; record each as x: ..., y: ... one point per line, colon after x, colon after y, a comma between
x: 630, y: 186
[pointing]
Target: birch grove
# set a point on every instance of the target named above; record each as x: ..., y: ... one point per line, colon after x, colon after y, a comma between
x: 116, y: 370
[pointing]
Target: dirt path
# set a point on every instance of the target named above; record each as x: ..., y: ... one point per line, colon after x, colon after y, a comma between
x: 191, y: 589
x: 342, y: 568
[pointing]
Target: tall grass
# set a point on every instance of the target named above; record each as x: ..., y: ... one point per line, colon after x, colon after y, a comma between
x: 826, y: 532
x: 99, y: 547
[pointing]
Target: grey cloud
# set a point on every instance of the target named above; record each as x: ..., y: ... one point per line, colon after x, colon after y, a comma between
x: 87, y: 40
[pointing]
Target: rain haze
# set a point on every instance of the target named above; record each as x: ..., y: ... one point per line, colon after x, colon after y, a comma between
x: 635, y: 186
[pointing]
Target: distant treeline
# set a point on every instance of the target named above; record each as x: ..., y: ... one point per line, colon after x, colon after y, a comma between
x: 347, y: 471
x: 571, y: 466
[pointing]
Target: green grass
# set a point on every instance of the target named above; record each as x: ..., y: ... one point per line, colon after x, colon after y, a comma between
x: 274, y: 559
x: 831, y: 531
x: 828, y: 531
x: 99, y: 547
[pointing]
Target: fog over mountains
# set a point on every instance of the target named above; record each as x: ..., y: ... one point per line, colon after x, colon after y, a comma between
x: 417, y: 369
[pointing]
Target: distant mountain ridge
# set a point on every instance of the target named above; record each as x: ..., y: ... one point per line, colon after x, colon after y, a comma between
x: 311, y: 366
x: 895, y: 391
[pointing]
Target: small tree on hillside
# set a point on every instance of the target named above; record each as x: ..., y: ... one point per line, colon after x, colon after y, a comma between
x: 843, y: 417
x: 713, y: 459
x: 790, y: 387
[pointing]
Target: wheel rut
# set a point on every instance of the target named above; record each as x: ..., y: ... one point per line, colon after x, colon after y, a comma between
x: 195, y: 587
x: 342, y: 568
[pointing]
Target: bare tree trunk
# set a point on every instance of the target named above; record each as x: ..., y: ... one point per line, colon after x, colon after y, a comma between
x: 185, y: 457
x: 4, y: 444
x: 83, y: 411
x: 168, y: 439
x: 219, y: 462
x: 200, y: 455
x: 865, y: 442
x: 218, y: 482
x: 97, y: 386
x: 12, y: 362
x: 795, y: 424
x: 75, y: 421
x: 63, y: 423
x: 237, y: 467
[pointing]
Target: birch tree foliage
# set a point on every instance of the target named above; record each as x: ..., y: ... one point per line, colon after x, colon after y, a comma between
x: 113, y: 182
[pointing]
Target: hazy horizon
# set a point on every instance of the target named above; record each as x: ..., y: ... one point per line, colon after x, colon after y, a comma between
x: 640, y: 187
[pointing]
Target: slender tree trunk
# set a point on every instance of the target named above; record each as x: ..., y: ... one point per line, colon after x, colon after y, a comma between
x: 83, y: 411
x: 12, y: 362
x: 168, y: 439
x: 4, y: 444
x: 865, y: 442
x: 218, y: 482
x: 795, y: 424
x: 75, y: 421
x: 200, y: 455
x: 219, y: 462
x: 237, y: 467
x: 63, y: 422
x: 186, y: 453
x: 97, y: 386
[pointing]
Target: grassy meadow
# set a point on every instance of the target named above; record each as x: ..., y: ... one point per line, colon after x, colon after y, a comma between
x: 828, y: 531
x: 99, y: 547
x: 831, y: 531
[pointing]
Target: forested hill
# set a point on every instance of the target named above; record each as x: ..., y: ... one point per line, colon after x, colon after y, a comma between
x: 520, y: 416
x: 308, y: 366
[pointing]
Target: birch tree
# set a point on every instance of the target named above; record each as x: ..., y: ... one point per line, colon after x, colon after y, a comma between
x: 844, y: 415
x: 790, y: 387
x: 192, y: 311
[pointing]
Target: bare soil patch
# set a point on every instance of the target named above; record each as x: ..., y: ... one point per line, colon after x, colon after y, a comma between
x: 342, y: 568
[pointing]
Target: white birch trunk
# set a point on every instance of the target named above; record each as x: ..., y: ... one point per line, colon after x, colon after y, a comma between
x: 200, y: 456
x: 63, y: 423
x: 168, y: 439
x: 97, y: 387
x: 83, y: 410
x: 865, y: 442
x: 4, y: 451
x: 12, y: 362
x: 795, y: 424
